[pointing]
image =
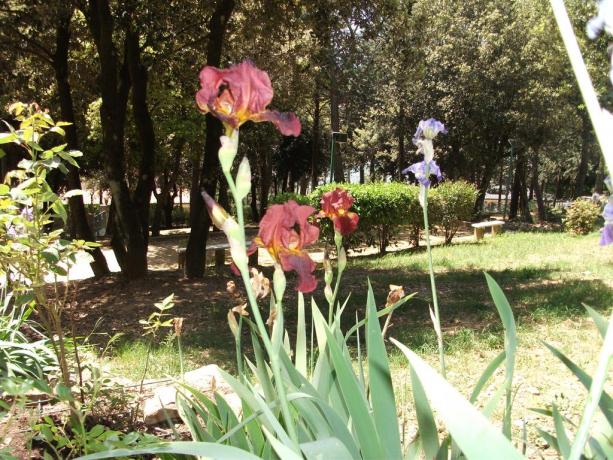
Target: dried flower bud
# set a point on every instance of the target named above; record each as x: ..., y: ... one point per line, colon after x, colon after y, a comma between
x: 342, y: 259
x: 260, y: 284
x: 241, y: 310
x: 396, y: 293
x: 328, y: 293
x: 178, y: 323
x: 279, y: 282
x: 232, y: 323
x: 272, y: 317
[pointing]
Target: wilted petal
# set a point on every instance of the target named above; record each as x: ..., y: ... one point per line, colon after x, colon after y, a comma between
x: 211, y: 78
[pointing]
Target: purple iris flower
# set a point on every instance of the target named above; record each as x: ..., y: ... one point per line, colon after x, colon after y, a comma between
x: 419, y: 169
x: 428, y: 129
x: 606, y: 237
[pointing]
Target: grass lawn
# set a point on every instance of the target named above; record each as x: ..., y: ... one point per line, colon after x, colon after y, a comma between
x: 546, y: 276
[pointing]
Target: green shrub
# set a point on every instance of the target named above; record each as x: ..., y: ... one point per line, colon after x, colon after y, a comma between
x: 286, y: 196
x: 382, y: 208
x: 450, y: 204
x: 581, y: 217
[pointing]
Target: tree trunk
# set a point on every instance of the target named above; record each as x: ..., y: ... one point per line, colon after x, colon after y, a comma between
x: 362, y: 180
x: 335, y: 124
x: 516, y: 190
x: 600, y: 175
x: 538, y: 192
x: 207, y: 179
x: 156, y: 225
x: 483, y: 185
x: 146, y: 133
x: 266, y: 182
x: 255, y: 216
x: 586, y: 139
x: 78, y: 214
x: 129, y: 243
x: 401, y: 160
x: 316, y: 141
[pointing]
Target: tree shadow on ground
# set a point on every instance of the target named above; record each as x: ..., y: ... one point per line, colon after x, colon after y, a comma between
x: 536, y: 295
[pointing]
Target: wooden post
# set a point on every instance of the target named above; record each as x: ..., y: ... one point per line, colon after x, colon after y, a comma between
x: 253, y: 259
x: 479, y: 233
x: 220, y: 259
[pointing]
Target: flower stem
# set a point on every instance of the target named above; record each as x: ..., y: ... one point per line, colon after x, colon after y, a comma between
x: 180, y: 357
x: 437, y: 318
x: 341, y: 269
x: 274, y: 358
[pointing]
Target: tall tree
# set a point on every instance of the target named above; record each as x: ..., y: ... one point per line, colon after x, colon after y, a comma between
x: 129, y: 230
x: 209, y: 171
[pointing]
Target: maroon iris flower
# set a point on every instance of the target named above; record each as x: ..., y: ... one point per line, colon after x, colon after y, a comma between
x: 284, y: 232
x: 335, y: 205
x: 241, y: 93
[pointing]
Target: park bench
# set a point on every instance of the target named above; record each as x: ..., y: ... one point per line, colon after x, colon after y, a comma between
x: 218, y: 250
x: 495, y: 225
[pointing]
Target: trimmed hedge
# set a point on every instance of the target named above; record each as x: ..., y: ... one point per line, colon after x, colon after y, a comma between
x: 384, y: 207
x: 280, y: 198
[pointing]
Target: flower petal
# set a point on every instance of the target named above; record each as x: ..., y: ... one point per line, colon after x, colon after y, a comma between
x: 347, y: 223
x: 250, y: 87
x: 302, y: 264
x: 286, y: 122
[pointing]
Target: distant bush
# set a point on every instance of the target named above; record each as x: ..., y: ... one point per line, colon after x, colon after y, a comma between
x: 286, y: 196
x: 451, y: 203
x: 581, y: 217
x: 554, y: 215
x: 382, y: 208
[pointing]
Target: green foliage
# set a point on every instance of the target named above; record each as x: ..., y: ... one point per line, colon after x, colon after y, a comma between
x: 280, y: 198
x: 451, y: 203
x: 599, y: 438
x: 382, y: 208
x: 158, y: 319
x: 19, y: 356
x: 581, y: 217
x: 32, y: 217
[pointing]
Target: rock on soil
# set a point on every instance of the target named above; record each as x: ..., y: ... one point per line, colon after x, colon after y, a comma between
x: 162, y: 405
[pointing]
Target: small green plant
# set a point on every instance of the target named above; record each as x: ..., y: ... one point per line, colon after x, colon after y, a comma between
x: 581, y: 217
x: 32, y: 217
x: 157, y: 321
